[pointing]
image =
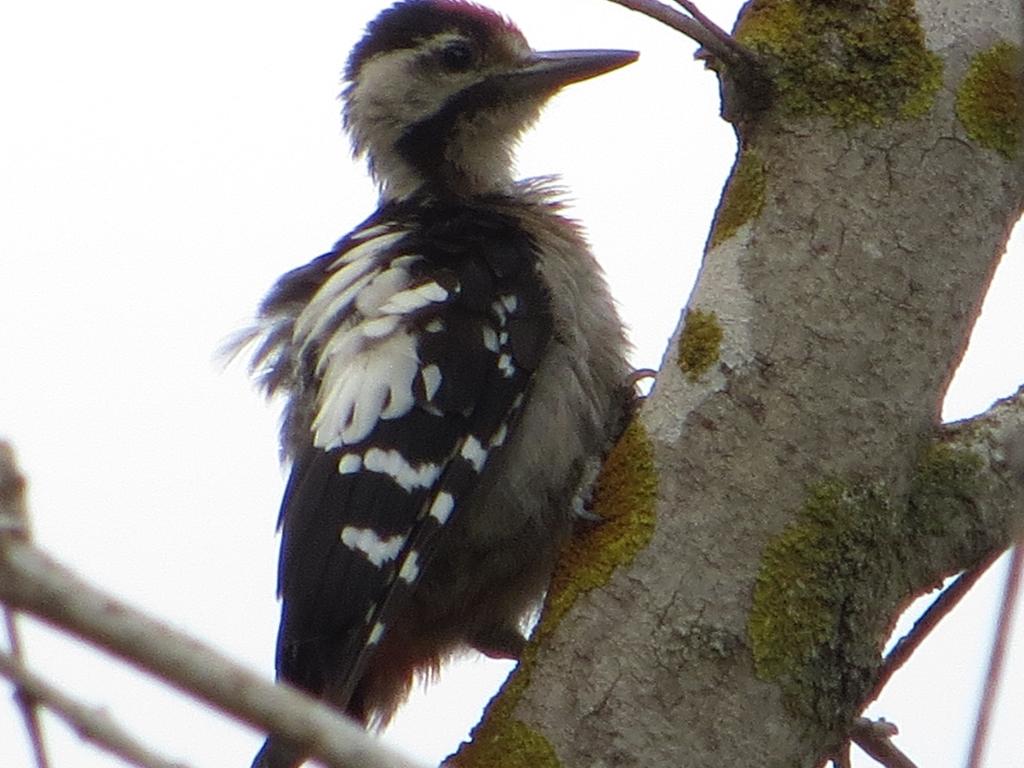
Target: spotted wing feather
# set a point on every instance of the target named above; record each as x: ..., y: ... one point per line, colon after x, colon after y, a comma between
x: 417, y: 357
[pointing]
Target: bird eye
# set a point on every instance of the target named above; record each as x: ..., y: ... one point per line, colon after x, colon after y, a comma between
x: 457, y: 56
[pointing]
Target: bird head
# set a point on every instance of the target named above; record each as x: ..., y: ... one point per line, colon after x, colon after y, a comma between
x: 439, y: 92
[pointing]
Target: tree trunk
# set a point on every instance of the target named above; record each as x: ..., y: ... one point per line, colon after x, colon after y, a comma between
x: 788, y: 487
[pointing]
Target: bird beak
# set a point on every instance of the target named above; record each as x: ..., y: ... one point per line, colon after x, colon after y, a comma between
x: 547, y: 71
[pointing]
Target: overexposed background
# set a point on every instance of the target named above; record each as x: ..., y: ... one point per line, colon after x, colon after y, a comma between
x: 162, y: 164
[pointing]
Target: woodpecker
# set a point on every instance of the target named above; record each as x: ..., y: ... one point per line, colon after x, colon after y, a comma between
x: 451, y: 373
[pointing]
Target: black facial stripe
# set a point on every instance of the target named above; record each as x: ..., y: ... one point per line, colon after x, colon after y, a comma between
x: 423, y: 145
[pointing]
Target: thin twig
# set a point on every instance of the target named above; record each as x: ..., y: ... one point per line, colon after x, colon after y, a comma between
x: 719, y: 43
x: 27, y: 703
x: 936, y: 612
x: 90, y: 723
x: 875, y: 738
x: 720, y: 34
x: 995, y: 665
x: 14, y: 524
x: 13, y: 508
x: 33, y: 582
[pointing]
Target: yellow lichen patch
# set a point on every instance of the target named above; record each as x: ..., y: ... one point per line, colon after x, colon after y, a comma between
x: 699, y: 344
x: 742, y: 199
x: 831, y: 584
x: 852, y: 60
x: 624, y: 500
x: 505, y: 743
x: 988, y: 101
x: 945, y: 479
x: 806, y: 628
x: 807, y: 574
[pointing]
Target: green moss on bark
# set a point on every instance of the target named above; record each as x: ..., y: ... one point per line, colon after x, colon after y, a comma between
x: 742, y: 199
x: 855, y: 61
x: 700, y: 343
x: 988, y: 101
x: 832, y: 582
x: 624, y: 499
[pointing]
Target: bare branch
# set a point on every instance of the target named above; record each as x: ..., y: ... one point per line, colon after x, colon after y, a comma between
x: 32, y: 582
x: 875, y: 739
x: 13, y: 510
x: 936, y: 612
x: 14, y: 523
x: 723, y: 37
x: 998, y: 437
x: 91, y: 724
x: 745, y: 76
x: 998, y: 434
x: 995, y: 668
x: 27, y: 701
x: 700, y: 28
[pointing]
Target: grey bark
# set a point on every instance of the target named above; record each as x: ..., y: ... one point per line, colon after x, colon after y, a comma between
x: 846, y: 306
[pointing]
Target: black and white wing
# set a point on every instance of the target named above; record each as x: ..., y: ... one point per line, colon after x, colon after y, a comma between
x: 406, y: 355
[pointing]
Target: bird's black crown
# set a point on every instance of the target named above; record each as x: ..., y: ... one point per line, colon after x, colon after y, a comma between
x: 407, y: 24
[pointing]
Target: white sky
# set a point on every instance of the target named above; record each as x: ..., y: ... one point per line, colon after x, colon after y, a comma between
x: 162, y: 164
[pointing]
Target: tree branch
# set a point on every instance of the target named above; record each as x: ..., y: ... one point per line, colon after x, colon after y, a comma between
x: 13, y: 510
x: 875, y: 739
x: 91, y: 724
x: 14, y: 523
x: 995, y: 668
x: 745, y: 78
x: 27, y: 701
x: 801, y: 496
x: 699, y: 28
x: 33, y: 582
x: 997, y: 436
x: 929, y: 620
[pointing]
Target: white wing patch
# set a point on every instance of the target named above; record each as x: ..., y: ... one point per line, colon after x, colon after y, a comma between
x: 371, y: 231
x: 407, y: 475
x: 498, y: 438
x: 358, y: 389
x: 353, y: 270
x: 412, y: 299
x: 506, y: 366
x: 374, y: 240
x: 431, y: 376
x: 490, y: 339
x: 442, y: 507
x: 410, y: 569
x: 367, y: 359
x: 377, y: 550
x: 384, y: 285
x: 375, y: 634
x: 473, y: 452
x: 350, y: 463
x: 331, y: 301
x: 378, y: 327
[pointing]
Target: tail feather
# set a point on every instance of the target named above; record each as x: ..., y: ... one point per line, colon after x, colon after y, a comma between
x: 277, y: 753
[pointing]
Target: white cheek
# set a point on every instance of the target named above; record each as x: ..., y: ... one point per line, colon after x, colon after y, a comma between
x: 389, y: 96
